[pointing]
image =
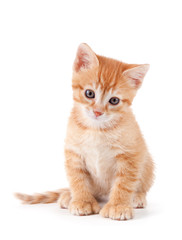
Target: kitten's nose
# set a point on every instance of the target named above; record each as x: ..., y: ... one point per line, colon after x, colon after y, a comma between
x: 97, y: 114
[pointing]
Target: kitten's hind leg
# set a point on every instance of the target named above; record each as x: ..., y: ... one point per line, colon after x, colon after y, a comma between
x: 64, y: 199
x: 139, y: 200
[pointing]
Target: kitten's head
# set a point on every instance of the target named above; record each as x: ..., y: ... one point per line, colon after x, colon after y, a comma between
x: 103, y: 88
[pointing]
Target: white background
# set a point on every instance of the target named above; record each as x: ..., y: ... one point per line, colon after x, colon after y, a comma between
x: 38, y: 42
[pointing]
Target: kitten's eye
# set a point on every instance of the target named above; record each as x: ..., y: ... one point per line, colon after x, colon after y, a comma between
x: 89, y: 93
x: 114, y: 100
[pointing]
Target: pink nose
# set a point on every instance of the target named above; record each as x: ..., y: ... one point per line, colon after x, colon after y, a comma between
x: 97, y: 114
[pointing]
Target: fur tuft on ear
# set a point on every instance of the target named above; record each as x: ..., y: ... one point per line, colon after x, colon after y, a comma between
x: 85, y: 58
x: 136, y: 75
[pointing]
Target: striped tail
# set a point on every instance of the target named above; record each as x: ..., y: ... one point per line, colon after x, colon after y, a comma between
x: 47, y: 197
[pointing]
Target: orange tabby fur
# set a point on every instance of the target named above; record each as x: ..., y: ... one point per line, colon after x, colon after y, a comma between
x: 106, y: 156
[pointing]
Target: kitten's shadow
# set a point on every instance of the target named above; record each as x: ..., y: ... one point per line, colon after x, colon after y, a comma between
x: 141, y: 213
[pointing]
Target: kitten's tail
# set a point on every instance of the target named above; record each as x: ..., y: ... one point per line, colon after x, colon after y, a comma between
x: 47, y: 197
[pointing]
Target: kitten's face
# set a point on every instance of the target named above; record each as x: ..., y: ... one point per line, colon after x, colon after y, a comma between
x: 101, y: 90
x: 100, y: 107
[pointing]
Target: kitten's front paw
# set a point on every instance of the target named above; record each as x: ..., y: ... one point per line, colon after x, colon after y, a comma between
x: 82, y: 208
x: 117, y: 212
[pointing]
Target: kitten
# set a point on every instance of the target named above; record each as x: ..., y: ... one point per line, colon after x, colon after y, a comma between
x: 106, y: 155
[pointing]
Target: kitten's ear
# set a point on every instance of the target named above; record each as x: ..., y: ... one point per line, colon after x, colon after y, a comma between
x: 136, y: 75
x: 85, y: 58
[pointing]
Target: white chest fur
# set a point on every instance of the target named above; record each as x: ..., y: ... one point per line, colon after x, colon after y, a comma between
x: 98, y: 155
x: 98, y: 152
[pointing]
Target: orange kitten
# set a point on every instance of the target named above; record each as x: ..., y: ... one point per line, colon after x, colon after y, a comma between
x: 106, y: 155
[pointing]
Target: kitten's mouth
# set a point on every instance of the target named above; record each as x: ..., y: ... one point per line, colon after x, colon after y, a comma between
x: 92, y: 119
x: 96, y: 115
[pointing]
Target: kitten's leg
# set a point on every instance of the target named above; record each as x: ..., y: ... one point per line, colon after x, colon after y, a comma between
x: 119, y: 206
x: 64, y: 199
x: 145, y: 182
x: 82, y: 202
